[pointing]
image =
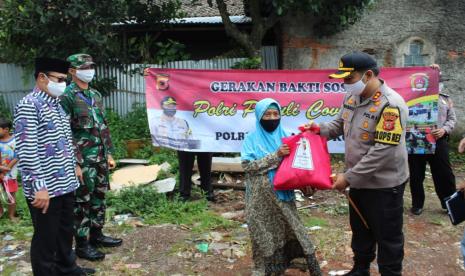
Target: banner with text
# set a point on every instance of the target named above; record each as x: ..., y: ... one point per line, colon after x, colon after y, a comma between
x: 212, y: 110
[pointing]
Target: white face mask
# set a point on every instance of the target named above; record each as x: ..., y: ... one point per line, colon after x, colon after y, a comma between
x: 56, y: 89
x: 85, y: 75
x: 357, y: 88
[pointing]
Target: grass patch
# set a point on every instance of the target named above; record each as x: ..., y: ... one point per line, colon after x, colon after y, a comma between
x: 9, y: 269
x: 331, y: 242
x: 437, y: 220
x: 19, y: 229
x: 340, y: 209
x: 155, y: 208
x: 314, y: 221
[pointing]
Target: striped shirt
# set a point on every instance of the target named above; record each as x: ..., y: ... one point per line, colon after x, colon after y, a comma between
x: 44, y: 146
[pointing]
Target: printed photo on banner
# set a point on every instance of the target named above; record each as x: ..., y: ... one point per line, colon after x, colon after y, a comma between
x: 213, y: 110
x: 423, y: 116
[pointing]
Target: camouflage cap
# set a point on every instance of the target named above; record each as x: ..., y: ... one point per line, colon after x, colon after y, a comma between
x: 79, y: 60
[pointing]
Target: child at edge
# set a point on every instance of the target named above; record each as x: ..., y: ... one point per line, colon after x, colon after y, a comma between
x: 8, y: 170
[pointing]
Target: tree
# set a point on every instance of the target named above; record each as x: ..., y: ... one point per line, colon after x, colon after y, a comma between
x: 329, y: 15
x: 58, y: 28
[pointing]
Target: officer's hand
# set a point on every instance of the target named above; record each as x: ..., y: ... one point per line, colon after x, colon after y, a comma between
x: 310, y: 126
x: 111, y: 162
x: 340, y: 184
x: 438, y: 133
x: 283, y: 150
x: 79, y: 174
x: 435, y: 66
x: 41, y: 200
x: 462, y: 145
x: 5, y: 168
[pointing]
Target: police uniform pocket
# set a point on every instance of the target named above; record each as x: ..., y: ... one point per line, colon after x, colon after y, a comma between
x: 347, y: 116
x: 366, y: 131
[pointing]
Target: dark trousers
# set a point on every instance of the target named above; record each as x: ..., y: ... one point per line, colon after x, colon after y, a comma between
x: 51, y: 245
x: 186, y: 163
x: 443, y: 176
x: 382, y: 209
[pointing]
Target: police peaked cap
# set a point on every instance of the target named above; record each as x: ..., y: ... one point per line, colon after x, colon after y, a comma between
x: 356, y: 61
x: 44, y: 64
x: 168, y: 100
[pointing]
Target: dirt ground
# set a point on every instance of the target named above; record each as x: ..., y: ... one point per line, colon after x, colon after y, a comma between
x: 431, y: 242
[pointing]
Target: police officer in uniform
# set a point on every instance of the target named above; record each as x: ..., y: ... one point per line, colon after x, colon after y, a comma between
x: 169, y: 130
x: 372, y: 119
x: 441, y: 170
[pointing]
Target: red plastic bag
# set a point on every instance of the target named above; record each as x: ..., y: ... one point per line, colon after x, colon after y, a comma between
x: 307, y: 165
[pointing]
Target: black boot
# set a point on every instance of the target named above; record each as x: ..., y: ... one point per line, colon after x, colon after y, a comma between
x: 359, y: 270
x: 211, y: 197
x: 98, y: 239
x: 313, y: 266
x: 86, y: 251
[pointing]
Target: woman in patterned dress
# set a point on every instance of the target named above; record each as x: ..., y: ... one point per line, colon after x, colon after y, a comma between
x: 278, y: 236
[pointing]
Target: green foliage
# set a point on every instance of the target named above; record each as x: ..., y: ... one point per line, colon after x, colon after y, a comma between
x: 117, y: 128
x: 58, y: 28
x: 166, y: 155
x: 104, y: 85
x: 4, y: 110
x: 170, y: 51
x: 155, y: 208
x: 454, y: 155
x: 249, y: 63
x: 137, y: 121
x: 133, y: 126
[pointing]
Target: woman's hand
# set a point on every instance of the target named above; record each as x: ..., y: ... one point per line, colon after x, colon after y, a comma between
x: 308, y: 191
x: 283, y: 150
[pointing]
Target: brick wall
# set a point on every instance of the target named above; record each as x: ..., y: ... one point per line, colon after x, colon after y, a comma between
x: 384, y: 31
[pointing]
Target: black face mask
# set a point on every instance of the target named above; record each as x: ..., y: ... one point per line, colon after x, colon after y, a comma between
x: 270, y: 125
x: 169, y: 112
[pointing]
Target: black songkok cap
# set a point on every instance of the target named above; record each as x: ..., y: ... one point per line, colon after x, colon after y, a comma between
x: 51, y: 65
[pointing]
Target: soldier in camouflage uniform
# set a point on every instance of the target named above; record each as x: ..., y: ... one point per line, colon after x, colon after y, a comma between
x: 93, y: 152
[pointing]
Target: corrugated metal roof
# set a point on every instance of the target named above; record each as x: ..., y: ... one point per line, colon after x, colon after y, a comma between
x: 202, y: 9
x: 237, y: 19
